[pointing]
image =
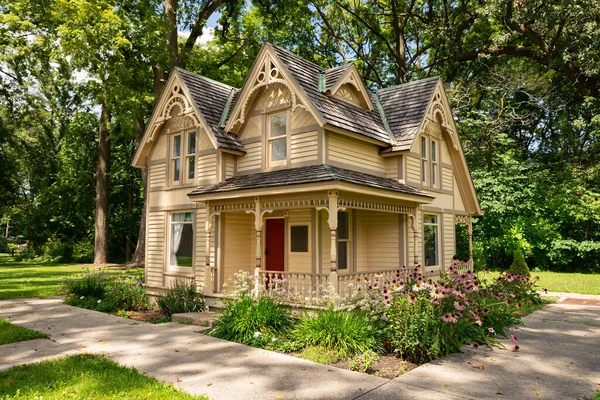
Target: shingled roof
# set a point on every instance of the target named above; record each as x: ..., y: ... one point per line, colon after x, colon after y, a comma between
x: 405, y: 107
x: 211, y: 98
x: 308, y: 174
x: 333, y: 75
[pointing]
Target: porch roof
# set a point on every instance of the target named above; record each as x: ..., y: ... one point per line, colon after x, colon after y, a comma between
x: 308, y: 174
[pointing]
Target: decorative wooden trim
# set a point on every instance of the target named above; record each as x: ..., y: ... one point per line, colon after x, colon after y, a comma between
x: 305, y: 129
x: 161, y: 161
x: 251, y: 140
x: 175, y: 207
x: 460, y: 219
x: 375, y: 206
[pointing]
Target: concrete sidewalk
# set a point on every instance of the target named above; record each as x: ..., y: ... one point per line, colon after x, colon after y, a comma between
x: 558, y: 358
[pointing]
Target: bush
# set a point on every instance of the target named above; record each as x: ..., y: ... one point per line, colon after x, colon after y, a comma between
x: 253, y: 322
x: 3, y: 245
x: 100, y: 291
x: 519, y: 266
x: 347, y: 332
x: 183, y: 298
x: 83, y: 252
x: 57, y: 251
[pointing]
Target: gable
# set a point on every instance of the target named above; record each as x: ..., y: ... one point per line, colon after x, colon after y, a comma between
x: 270, y: 74
x: 350, y: 87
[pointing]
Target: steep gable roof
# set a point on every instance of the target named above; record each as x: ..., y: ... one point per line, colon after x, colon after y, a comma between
x: 405, y: 107
x: 211, y: 97
x: 333, y: 75
x: 334, y: 112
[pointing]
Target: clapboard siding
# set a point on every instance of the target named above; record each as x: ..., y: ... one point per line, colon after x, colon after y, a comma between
x: 325, y: 243
x: 446, y: 178
x: 158, y: 175
x: 382, y: 241
x: 304, y: 147
x: 229, y: 165
x: 300, y: 262
x: 391, y: 167
x: 362, y: 260
x: 413, y: 169
x: 200, y: 246
x: 252, y: 128
x: 155, y: 248
x: 301, y: 118
x: 252, y: 159
x: 237, y: 240
x: 449, y: 244
x: 355, y: 153
x: 207, y: 166
x: 159, y: 151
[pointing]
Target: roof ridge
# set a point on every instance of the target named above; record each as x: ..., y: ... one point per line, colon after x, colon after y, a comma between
x: 346, y: 64
x: 205, y: 78
x: 437, y: 77
x: 297, y: 56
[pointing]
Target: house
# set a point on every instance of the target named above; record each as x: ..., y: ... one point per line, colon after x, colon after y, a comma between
x: 302, y: 173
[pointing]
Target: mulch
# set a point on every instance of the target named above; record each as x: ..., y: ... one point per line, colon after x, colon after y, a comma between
x: 581, y: 302
x: 146, y: 316
x: 387, y: 366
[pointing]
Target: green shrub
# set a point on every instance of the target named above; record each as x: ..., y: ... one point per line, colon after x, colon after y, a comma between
x: 3, y: 245
x: 253, y: 322
x: 363, y: 362
x: 55, y: 250
x: 92, y: 284
x: 183, y: 298
x: 347, y: 332
x: 83, y: 252
x: 519, y: 266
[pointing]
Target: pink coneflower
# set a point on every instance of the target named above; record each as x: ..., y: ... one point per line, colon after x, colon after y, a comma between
x: 458, y: 306
x: 449, y: 318
x: 514, y: 339
x: 491, y: 330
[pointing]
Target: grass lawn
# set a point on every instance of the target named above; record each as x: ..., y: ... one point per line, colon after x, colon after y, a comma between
x: 30, y: 279
x: 10, y: 333
x: 83, y: 376
x: 562, y: 281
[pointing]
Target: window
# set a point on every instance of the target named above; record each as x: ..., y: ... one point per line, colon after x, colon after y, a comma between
x: 183, y: 164
x: 277, y: 139
x: 181, y: 240
x: 424, y: 159
x: 299, y: 239
x: 430, y: 240
x: 191, y: 155
x: 176, y: 158
x: 343, y: 240
x: 434, y: 163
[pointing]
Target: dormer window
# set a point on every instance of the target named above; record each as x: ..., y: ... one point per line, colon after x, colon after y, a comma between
x: 277, y: 139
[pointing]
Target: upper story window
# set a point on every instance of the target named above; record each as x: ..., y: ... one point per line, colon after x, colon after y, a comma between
x: 424, y: 159
x: 429, y: 161
x: 277, y: 139
x: 183, y: 157
x: 434, y: 162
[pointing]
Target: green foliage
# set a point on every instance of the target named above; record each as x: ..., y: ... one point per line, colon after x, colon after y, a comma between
x: 363, y: 362
x: 10, y: 333
x: 519, y: 266
x: 83, y: 376
x: 253, y: 322
x: 182, y: 298
x: 83, y: 252
x: 346, y: 332
x: 321, y: 355
x: 97, y: 290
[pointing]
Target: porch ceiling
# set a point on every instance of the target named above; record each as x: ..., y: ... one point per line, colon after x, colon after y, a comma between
x: 313, y: 174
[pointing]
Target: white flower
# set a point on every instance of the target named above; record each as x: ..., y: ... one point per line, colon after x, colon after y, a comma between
x: 257, y: 334
x: 82, y: 297
x: 99, y: 301
x: 274, y: 339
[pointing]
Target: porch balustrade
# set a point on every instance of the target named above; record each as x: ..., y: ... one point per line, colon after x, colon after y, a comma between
x: 299, y: 287
x: 350, y: 282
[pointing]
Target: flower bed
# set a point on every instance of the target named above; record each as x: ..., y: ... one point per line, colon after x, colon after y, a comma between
x: 410, y: 317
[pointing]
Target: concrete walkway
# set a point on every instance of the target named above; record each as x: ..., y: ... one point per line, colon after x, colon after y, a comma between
x: 559, y: 358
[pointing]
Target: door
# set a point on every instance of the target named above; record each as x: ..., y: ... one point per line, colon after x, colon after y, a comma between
x: 274, y: 245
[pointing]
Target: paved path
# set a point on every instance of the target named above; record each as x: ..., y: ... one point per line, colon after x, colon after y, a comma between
x: 558, y: 359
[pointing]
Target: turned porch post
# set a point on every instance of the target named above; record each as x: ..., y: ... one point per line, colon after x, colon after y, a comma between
x: 208, y: 271
x: 258, y: 226
x: 470, y: 234
x: 332, y: 221
x: 413, y: 225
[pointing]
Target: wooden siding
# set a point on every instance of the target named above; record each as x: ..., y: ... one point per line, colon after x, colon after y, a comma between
x: 252, y: 128
x: 325, y: 238
x: 382, y: 241
x: 447, y: 179
x: 155, y: 248
x: 229, y: 165
x: 166, y: 198
x: 252, y: 160
x: 391, y: 167
x: 300, y: 262
x: 304, y: 147
x: 361, y: 239
x: 411, y: 241
x: 302, y: 118
x: 458, y: 201
x: 158, y: 175
x: 449, y: 244
x: 200, y: 246
x: 160, y: 148
x: 207, y: 167
x: 413, y: 169
x: 237, y: 242
x: 348, y: 152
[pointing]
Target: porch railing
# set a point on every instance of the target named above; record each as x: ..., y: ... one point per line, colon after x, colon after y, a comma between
x: 349, y: 282
x: 301, y: 287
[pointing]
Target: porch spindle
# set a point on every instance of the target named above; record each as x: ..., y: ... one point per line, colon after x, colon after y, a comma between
x: 470, y: 233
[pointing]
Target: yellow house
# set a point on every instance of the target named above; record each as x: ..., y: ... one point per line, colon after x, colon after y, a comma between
x: 303, y: 173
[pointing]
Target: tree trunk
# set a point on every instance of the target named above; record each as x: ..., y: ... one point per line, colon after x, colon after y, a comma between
x: 171, y: 13
x: 101, y: 232
x: 140, y: 250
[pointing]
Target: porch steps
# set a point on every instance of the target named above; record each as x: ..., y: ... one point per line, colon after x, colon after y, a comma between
x: 205, y: 319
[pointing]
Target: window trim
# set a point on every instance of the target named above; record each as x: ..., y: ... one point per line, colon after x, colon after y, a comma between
x: 289, y: 229
x: 177, y: 268
x: 183, y: 157
x: 186, y: 156
x: 424, y: 160
x: 434, y: 163
x: 437, y: 242
x: 269, y: 140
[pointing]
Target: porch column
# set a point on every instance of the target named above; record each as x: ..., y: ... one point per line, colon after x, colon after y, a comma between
x: 258, y: 226
x: 470, y: 234
x: 413, y: 225
x: 332, y: 221
x: 208, y: 270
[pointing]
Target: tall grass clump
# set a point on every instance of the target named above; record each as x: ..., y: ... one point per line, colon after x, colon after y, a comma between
x: 183, y: 298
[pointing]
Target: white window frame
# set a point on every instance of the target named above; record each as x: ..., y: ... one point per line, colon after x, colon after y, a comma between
x: 434, y: 162
x: 437, y: 238
x: 187, y: 156
x: 173, y: 159
x: 290, y: 225
x: 182, y: 158
x: 424, y: 161
x: 349, y: 258
x: 270, y: 140
x: 178, y: 268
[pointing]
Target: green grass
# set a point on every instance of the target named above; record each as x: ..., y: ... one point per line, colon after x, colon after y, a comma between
x: 10, y: 333
x: 562, y: 281
x: 22, y: 279
x: 83, y: 377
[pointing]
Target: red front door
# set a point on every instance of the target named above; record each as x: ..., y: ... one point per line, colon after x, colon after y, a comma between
x: 274, y: 256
